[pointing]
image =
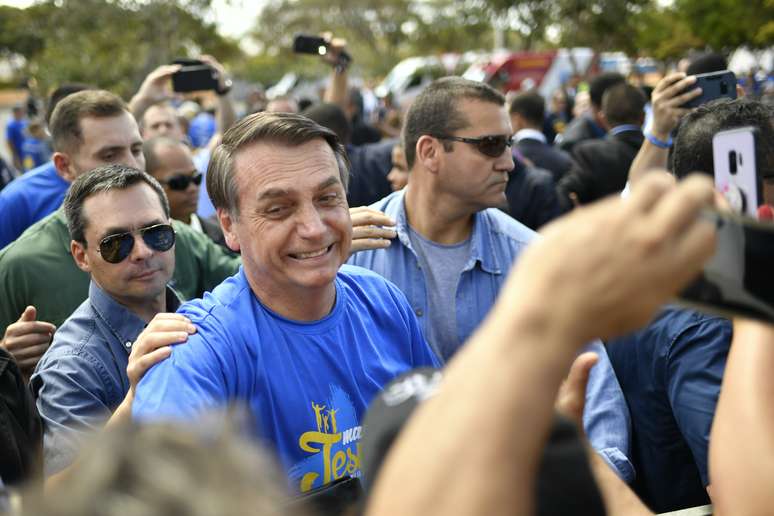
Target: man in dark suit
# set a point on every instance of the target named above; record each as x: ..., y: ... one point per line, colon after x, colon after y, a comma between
x: 602, y: 166
x: 590, y: 126
x: 527, y: 112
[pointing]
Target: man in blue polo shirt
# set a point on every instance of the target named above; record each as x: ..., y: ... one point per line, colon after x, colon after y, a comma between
x: 454, y: 249
x: 14, y: 134
x: 300, y: 340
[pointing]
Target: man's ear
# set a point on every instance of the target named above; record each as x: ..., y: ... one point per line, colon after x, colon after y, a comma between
x: 64, y: 166
x: 229, y: 233
x: 428, y: 153
x: 78, y: 250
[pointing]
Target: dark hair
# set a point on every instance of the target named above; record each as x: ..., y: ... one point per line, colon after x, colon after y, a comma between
x: 600, y: 84
x: 66, y: 117
x: 61, y: 92
x: 624, y: 104
x: 531, y: 106
x: 103, y: 179
x: 150, y: 149
x: 331, y: 116
x: 434, y: 111
x: 706, y: 62
x: 288, y: 129
x: 692, y: 151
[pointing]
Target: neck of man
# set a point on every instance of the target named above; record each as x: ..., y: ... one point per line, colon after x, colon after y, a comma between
x: 306, y: 305
x: 435, y: 215
x: 147, y: 309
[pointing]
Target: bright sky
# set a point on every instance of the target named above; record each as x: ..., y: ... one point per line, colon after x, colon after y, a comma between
x: 233, y: 17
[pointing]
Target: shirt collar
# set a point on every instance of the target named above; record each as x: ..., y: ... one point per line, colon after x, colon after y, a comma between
x: 530, y: 134
x: 482, y: 245
x: 196, y: 224
x: 122, y: 322
x: 623, y: 129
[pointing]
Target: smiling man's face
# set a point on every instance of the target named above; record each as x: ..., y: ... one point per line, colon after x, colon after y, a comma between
x: 293, y: 228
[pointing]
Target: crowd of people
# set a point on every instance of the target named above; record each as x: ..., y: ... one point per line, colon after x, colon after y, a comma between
x: 373, y: 313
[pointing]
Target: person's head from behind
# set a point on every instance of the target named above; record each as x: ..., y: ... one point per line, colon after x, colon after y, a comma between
x: 623, y: 104
x: 118, y: 219
x: 706, y: 62
x: 331, y: 116
x: 597, y: 88
x: 457, y: 135
x: 170, y: 161
x: 692, y: 151
x: 161, y: 120
x: 93, y: 128
x: 160, y: 470
x: 278, y: 182
x: 527, y: 111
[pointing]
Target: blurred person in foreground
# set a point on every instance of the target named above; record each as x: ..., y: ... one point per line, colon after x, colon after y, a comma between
x: 454, y: 247
x: 629, y: 257
x: 327, y: 336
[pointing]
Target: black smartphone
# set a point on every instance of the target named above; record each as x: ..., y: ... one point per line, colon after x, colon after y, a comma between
x: 739, y: 279
x: 306, y: 44
x: 195, y: 78
x: 714, y: 85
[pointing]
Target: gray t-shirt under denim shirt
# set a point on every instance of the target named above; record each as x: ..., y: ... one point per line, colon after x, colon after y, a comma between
x: 442, y: 266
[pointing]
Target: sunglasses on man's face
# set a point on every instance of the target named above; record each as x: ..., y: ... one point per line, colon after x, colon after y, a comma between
x: 115, y: 248
x: 492, y: 145
x: 181, y: 181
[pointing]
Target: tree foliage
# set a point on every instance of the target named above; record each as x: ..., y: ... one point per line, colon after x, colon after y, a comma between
x: 110, y: 44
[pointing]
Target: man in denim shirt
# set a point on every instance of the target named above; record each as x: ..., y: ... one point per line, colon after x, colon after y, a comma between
x: 454, y: 249
x: 118, y: 218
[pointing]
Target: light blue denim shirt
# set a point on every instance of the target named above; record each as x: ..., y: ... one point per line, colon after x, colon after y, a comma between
x: 81, y: 379
x: 496, y: 242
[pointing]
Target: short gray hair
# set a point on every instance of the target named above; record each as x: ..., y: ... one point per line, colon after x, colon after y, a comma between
x: 284, y: 128
x: 103, y: 179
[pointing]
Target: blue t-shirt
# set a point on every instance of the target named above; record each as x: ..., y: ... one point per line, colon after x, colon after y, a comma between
x: 29, y: 198
x: 35, y: 152
x: 670, y: 373
x: 201, y: 129
x: 14, y: 134
x: 307, y: 385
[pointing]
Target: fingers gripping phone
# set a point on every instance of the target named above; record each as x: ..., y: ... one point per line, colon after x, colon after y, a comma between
x: 735, y: 169
x: 739, y: 279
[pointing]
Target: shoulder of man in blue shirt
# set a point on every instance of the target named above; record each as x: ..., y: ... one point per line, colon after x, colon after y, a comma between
x: 29, y: 198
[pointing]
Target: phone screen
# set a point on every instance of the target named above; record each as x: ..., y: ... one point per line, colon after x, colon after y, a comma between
x: 739, y: 279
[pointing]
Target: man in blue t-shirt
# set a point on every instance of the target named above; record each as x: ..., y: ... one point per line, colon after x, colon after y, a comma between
x: 301, y: 341
x: 14, y: 135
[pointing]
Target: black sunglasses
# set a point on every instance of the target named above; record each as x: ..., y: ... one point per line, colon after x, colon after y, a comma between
x: 492, y: 146
x: 181, y: 181
x: 115, y: 248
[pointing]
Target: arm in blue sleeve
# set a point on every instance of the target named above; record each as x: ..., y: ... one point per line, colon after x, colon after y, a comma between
x: 697, y: 359
x: 606, y: 416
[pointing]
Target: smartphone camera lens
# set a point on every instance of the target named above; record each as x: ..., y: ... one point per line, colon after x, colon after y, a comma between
x: 732, y: 162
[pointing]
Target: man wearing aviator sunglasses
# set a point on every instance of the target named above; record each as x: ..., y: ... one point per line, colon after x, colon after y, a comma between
x: 454, y: 247
x: 118, y: 218
x: 171, y: 163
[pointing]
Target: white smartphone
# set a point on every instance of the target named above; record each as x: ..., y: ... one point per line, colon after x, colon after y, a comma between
x: 736, y: 173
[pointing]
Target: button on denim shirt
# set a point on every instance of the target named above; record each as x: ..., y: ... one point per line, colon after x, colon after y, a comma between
x: 81, y: 379
x: 496, y: 242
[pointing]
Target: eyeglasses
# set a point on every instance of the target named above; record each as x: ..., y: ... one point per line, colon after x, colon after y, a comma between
x: 115, y: 248
x: 181, y: 181
x: 492, y: 145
